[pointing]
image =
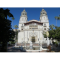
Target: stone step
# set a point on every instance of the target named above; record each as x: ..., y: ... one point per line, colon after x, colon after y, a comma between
x: 28, y: 44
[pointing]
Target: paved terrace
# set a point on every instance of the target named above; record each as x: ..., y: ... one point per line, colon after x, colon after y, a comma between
x: 16, y: 49
x: 34, y: 44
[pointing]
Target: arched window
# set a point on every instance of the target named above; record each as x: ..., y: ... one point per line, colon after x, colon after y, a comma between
x: 44, y: 28
x: 44, y: 25
x: 23, y: 13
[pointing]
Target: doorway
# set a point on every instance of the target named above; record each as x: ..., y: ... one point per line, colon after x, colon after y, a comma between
x: 33, y: 39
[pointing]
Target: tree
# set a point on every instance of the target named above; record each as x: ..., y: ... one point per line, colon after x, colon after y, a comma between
x: 55, y: 33
x: 16, y: 32
x: 51, y: 31
x: 52, y: 34
x: 6, y: 33
x: 44, y: 33
x: 51, y: 27
x: 59, y: 17
x: 56, y: 19
x: 5, y: 13
x: 12, y: 21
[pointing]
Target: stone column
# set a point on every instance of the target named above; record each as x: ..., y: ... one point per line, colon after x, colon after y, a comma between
x: 24, y: 39
x: 27, y: 36
x: 39, y: 36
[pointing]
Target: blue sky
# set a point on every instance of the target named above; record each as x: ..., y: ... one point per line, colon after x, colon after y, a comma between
x: 34, y: 13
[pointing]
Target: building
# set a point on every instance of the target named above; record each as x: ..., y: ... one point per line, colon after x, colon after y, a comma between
x: 32, y: 31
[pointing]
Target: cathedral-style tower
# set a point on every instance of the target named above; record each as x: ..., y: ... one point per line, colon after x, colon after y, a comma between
x: 43, y: 16
x: 44, y: 19
x: 23, y: 17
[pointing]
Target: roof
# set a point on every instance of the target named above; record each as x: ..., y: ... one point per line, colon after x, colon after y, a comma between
x: 33, y: 21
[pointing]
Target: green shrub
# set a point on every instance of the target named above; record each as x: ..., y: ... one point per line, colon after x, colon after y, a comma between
x: 56, y: 43
x: 12, y: 42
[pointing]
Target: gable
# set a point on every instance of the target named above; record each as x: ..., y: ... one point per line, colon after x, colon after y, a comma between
x: 33, y: 22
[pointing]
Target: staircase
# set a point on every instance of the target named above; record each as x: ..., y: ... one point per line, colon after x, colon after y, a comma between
x: 34, y: 44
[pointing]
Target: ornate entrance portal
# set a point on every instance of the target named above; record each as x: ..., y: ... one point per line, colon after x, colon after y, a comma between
x: 33, y: 39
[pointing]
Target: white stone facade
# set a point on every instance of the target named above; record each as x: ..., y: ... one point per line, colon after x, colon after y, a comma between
x: 32, y: 31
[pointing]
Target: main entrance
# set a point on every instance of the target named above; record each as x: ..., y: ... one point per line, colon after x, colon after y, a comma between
x: 33, y: 39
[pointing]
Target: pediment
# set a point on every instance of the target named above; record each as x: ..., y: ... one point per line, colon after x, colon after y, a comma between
x: 33, y: 22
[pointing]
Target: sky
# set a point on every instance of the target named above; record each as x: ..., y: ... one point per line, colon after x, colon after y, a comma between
x: 34, y: 13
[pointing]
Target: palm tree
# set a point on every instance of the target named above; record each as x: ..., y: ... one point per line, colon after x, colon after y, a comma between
x: 15, y: 31
x: 56, y: 19
x: 12, y: 21
x: 59, y: 17
x: 52, y: 26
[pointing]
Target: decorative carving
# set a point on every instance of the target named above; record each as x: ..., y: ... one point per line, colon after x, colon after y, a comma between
x: 33, y: 33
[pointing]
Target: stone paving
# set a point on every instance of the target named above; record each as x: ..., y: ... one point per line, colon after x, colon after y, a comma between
x: 11, y: 49
x: 28, y: 44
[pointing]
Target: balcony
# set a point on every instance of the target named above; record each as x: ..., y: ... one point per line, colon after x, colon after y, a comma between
x: 44, y: 25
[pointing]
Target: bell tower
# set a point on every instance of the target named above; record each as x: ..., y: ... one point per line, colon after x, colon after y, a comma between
x: 44, y: 20
x: 43, y: 16
x: 23, y: 17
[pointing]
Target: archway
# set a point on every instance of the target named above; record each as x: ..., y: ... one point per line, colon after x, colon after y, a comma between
x: 33, y: 39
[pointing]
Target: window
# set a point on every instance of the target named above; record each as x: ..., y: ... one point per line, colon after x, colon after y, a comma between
x: 22, y: 29
x: 44, y: 25
x: 23, y: 13
x: 44, y: 28
x: 33, y: 28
